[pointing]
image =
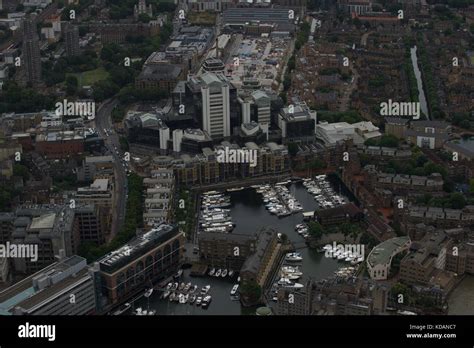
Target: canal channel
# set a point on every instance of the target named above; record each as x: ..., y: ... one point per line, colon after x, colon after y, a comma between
x: 419, y: 83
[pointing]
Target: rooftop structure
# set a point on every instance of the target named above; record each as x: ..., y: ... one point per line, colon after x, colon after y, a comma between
x: 49, y: 291
x: 332, y: 133
x: 380, y: 258
x: 136, y: 247
x: 235, y: 17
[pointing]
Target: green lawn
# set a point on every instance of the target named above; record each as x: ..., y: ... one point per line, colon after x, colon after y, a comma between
x: 88, y: 78
x: 202, y: 18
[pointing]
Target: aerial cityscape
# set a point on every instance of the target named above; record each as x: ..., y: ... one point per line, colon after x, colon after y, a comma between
x: 236, y: 157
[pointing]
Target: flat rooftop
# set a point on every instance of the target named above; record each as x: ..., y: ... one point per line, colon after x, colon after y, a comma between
x: 136, y: 247
x: 383, y: 252
x: 45, y: 221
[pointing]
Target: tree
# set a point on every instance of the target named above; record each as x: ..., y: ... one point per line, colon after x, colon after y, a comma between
x: 368, y: 240
x: 316, y: 164
x: 71, y: 85
x: 292, y: 149
x: 315, y: 229
x: 121, y: 75
x: 124, y: 143
x: 401, y: 289
x: 104, y: 89
x: 21, y: 170
x: 144, y: 18
x: 111, y: 52
x: 118, y: 113
x: 5, y: 198
x: 251, y: 291
x: 457, y: 200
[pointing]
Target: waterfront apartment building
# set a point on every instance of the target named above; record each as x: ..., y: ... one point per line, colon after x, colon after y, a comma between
x: 348, y: 212
x: 294, y: 302
x: 215, y: 105
x: 66, y: 287
x: 424, y: 257
x: 460, y: 258
x: 153, y: 255
x: 259, y: 266
x: 226, y: 250
x: 272, y: 160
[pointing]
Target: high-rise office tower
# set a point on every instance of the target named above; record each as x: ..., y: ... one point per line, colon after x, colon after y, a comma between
x: 215, y: 105
x: 31, y: 61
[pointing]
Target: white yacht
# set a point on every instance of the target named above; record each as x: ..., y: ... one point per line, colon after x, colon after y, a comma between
x: 294, y: 285
x: 235, y: 189
x: 205, y: 289
x: 206, y: 301
x: 234, y: 290
x: 148, y: 292
x: 293, y: 257
x: 284, y: 281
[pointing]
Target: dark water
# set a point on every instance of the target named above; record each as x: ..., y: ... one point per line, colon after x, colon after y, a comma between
x: 249, y: 214
x: 461, y: 301
x: 421, y: 91
x: 467, y: 143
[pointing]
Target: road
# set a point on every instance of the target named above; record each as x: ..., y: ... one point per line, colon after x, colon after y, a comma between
x: 363, y: 39
x: 346, y: 97
x: 103, y: 121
